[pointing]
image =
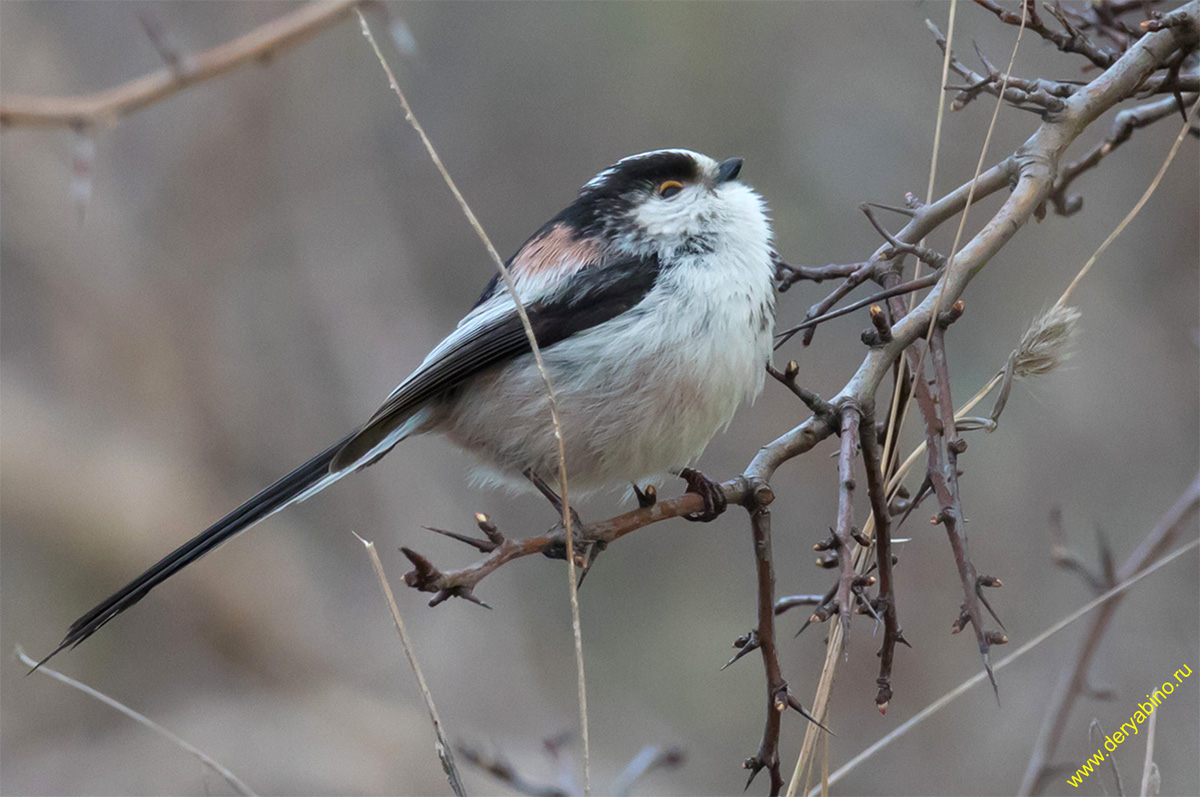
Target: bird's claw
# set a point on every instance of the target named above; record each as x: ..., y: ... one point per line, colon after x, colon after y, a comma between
x: 707, y: 489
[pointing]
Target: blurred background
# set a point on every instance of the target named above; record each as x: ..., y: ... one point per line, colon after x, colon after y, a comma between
x: 263, y: 257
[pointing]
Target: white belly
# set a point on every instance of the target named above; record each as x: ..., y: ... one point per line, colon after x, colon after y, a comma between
x: 638, y: 396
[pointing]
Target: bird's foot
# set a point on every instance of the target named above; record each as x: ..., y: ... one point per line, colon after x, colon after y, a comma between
x: 707, y: 489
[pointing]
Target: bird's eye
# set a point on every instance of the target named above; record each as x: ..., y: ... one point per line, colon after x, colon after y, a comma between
x: 669, y: 189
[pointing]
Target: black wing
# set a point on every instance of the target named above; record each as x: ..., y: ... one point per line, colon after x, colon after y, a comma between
x: 591, y: 296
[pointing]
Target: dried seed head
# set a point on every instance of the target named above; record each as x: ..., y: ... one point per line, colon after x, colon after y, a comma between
x: 1046, y: 343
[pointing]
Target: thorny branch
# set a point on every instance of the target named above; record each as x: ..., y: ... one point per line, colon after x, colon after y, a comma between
x: 943, y: 446
x: 885, y: 604
x: 1030, y: 174
x: 1033, y: 177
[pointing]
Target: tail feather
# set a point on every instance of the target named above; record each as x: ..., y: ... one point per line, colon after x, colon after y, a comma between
x: 306, y: 480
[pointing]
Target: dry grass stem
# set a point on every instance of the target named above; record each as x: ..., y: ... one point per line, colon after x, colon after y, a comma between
x: 576, y: 627
x: 442, y: 744
x: 204, y: 758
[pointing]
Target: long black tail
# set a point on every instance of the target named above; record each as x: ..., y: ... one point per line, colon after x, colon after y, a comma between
x: 304, y: 481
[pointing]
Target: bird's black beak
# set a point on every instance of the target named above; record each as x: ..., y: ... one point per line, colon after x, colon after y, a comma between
x: 728, y: 169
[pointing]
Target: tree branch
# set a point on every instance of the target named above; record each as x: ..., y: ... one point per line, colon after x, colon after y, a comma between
x: 105, y: 108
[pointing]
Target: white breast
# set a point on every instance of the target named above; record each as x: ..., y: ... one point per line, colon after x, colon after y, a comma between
x: 642, y: 394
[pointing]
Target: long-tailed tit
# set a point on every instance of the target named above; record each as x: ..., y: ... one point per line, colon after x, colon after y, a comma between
x: 652, y: 300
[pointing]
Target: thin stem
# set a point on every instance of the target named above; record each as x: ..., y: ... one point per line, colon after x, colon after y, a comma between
x: 442, y: 745
x: 550, y: 394
x: 204, y: 758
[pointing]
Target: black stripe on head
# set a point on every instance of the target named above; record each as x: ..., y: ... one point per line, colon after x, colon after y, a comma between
x: 610, y: 195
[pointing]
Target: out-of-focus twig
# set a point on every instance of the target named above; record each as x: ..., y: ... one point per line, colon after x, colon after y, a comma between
x: 978, y: 678
x: 1074, y: 676
x: 105, y: 108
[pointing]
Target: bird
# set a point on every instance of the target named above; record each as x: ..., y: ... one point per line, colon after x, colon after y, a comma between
x: 652, y: 299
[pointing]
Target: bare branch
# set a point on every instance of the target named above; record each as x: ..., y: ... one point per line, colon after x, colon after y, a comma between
x: 105, y: 108
x: 1074, y: 677
x: 1070, y: 41
x: 1126, y: 122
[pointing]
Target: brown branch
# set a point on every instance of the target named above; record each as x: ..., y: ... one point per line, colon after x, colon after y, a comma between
x: 503, y: 771
x: 787, y: 275
x: 767, y: 756
x: 1074, y: 678
x: 105, y: 108
x: 1070, y: 41
x: 943, y: 446
x: 886, y: 602
x: 902, y: 289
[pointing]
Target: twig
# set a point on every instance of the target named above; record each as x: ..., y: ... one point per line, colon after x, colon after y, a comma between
x: 898, y: 290
x: 1141, y: 203
x: 767, y: 756
x: 503, y: 771
x: 844, y: 529
x: 963, y: 687
x: 441, y: 744
x: 551, y: 398
x: 1125, y: 123
x: 1068, y: 42
x: 208, y: 761
x: 942, y: 444
x: 1046, y: 95
x: 877, y: 492
x: 105, y: 108
x: 650, y: 758
x: 1074, y: 677
x: 1096, y: 736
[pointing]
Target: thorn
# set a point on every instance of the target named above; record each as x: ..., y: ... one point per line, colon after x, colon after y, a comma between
x: 484, y: 546
x: 906, y: 211
x: 794, y: 703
